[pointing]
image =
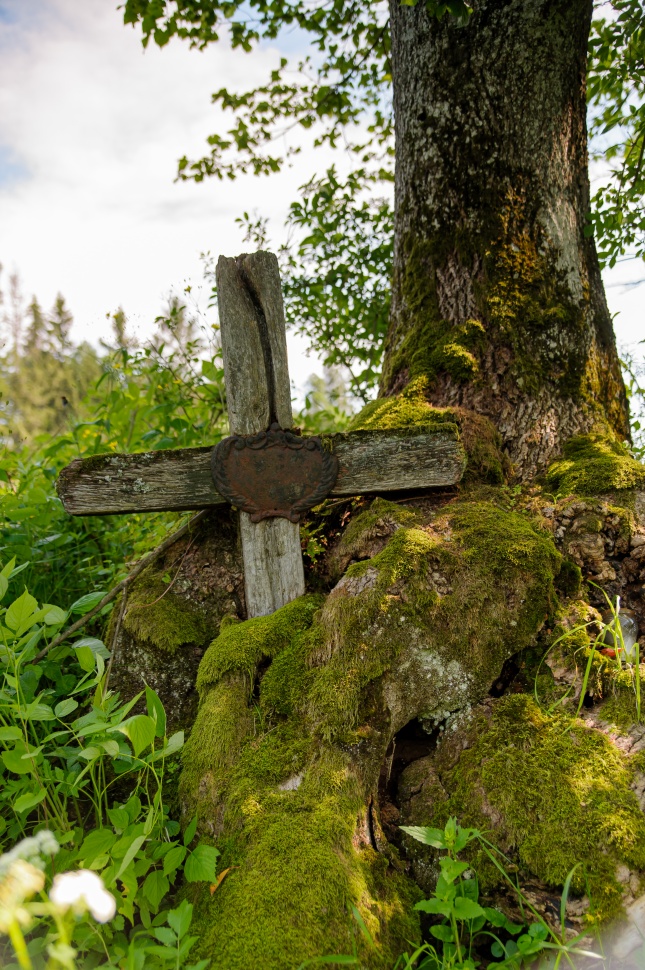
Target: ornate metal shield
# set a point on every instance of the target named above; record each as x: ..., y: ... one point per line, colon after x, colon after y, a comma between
x: 273, y: 473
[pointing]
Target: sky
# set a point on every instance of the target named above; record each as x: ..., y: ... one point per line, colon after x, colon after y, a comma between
x: 91, y: 127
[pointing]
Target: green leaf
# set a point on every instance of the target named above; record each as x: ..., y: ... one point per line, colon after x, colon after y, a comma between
x: 53, y: 615
x: 189, y: 833
x: 452, y: 868
x: 111, y: 748
x: 466, y: 909
x: 96, y: 843
x: 63, y: 708
x: 15, y: 761
x: 173, y: 859
x: 119, y: 818
x: 155, y: 887
x: 85, y: 658
x: 443, y: 933
x: 428, y: 836
x: 20, y: 611
x: 156, y: 711
x: 140, y: 730
x: 87, y: 602
x: 24, y: 803
x: 134, y: 847
x: 97, y: 646
x: 10, y: 733
x: 201, y: 864
x: 436, y: 907
x: 181, y: 918
x: 39, y: 712
x: 165, y: 935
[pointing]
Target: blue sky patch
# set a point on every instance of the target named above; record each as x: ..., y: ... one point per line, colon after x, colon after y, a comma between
x: 11, y: 168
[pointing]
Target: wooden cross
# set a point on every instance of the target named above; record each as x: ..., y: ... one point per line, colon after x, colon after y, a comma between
x: 258, y: 394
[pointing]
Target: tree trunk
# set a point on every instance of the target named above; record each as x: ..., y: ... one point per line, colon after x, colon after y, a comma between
x: 498, y: 301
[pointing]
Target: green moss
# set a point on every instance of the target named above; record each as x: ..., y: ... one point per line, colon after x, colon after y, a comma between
x: 593, y: 464
x: 298, y: 868
x: 156, y: 615
x: 560, y: 795
x: 480, y: 438
x: 241, y: 646
x: 410, y: 408
x: 528, y: 302
x: 281, y: 775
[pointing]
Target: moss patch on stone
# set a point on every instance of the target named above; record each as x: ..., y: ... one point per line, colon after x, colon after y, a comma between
x: 293, y: 725
x: 593, y: 464
x: 155, y: 615
x: 558, y: 793
x: 284, y: 810
x: 241, y: 646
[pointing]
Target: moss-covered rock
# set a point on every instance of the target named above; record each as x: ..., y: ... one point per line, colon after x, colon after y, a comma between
x: 173, y: 610
x: 550, y: 791
x: 298, y: 709
x: 594, y: 464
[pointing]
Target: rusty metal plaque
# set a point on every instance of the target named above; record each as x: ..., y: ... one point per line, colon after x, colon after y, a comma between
x: 274, y: 473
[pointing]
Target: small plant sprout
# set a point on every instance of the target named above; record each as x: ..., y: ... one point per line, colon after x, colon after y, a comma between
x: 83, y: 891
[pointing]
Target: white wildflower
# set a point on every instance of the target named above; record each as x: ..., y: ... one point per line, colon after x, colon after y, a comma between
x: 21, y: 881
x: 83, y: 890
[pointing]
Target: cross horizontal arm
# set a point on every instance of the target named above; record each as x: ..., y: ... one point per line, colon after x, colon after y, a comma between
x: 180, y: 479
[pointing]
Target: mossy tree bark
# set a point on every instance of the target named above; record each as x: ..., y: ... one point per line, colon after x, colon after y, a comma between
x: 498, y: 299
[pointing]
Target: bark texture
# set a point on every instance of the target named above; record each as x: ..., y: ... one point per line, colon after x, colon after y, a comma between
x: 498, y: 301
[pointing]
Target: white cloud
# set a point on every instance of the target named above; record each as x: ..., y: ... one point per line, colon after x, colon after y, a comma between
x: 91, y: 127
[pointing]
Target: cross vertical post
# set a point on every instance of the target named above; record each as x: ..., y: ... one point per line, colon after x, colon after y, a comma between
x: 258, y: 393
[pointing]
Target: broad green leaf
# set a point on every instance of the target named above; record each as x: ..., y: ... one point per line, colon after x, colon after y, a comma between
x: 435, y: 906
x: 119, y: 818
x: 110, y: 747
x: 20, y: 611
x: 465, y: 909
x: 165, y: 935
x: 201, y: 863
x: 53, y: 615
x: 37, y: 711
x: 97, y: 843
x: 87, y: 602
x: 175, y: 743
x: 156, y: 711
x: 130, y: 854
x: 85, y: 658
x: 90, y: 753
x: 24, y: 803
x: 452, y: 868
x: 14, y: 760
x: 155, y: 887
x: 173, y: 859
x: 140, y: 730
x: 63, y: 708
x: 443, y: 933
x: 10, y: 733
x: 189, y: 833
x: 181, y: 918
x: 428, y: 836
x: 97, y: 646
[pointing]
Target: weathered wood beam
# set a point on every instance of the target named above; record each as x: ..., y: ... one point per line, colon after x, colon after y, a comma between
x: 370, y: 462
x: 258, y: 392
